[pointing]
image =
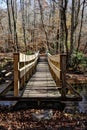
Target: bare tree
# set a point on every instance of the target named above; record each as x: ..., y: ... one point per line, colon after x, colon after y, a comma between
x: 41, y: 13
x: 81, y: 25
x: 23, y: 22
x: 63, y: 32
x: 14, y: 15
x: 9, y: 17
x: 72, y: 27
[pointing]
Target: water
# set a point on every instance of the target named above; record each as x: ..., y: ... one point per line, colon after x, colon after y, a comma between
x: 78, y: 106
x: 6, y: 103
x: 83, y: 104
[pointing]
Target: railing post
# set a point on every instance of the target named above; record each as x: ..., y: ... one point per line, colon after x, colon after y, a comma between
x: 63, y: 73
x: 16, y: 74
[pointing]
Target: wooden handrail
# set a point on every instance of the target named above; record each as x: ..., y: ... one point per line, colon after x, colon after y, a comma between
x: 55, y: 71
x: 24, y: 66
x: 25, y: 58
x: 57, y: 64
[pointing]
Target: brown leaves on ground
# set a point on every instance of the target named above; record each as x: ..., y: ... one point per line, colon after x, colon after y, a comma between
x: 23, y: 120
x: 77, y: 78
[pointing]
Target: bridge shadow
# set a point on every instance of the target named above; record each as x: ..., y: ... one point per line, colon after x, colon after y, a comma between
x: 39, y: 105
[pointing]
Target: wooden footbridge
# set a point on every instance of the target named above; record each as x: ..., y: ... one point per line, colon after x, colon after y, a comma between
x: 41, y: 77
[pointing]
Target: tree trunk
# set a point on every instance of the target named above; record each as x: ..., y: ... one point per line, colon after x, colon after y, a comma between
x: 72, y: 29
x: 23, y: 22
x: 9, y: 18
x: 41, y: 12
x: 15, y: 28
x: 57, y: 43
x: 61, y: 27
x: 65, y: 25
x: 79, y: 38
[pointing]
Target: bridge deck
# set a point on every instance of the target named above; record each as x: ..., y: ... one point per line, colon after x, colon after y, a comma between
x: 41, y: 84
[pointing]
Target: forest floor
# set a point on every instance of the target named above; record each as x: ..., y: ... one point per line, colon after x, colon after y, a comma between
x: 74, y: 78
x: 33, y: 119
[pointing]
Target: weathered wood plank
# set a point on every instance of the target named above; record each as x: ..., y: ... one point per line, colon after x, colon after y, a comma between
x: 41, y: 84
x: 16, y: 74
x: 25, y: 58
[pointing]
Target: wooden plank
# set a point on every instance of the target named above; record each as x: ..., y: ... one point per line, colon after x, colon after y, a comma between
x: 41, y: 88
x: 40, y: 98
x: 55, y: 58
x: 16, y: 74
x: 41, y: 79
x: 41, y: 84
x: 55, y: 70
x: 63, y: 73
x: 36, y: 93
x: 25, y: 58
x: 25, y: 69
x: 56, y: 62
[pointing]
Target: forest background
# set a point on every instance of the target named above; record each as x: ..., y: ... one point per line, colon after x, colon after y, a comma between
x: 57, y: 26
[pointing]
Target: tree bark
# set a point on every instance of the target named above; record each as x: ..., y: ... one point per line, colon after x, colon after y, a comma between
x: 81, y: 25
x: 9, y: 17
x: 23, y: 22
x: 65, y: 25
x: 61, y: 27
x: 41, y: 12
x: 72, y: 29
x: 15, y: 27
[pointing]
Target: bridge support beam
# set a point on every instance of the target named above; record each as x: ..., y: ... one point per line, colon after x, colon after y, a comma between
x: 16, y: 74
x: 63, y: 73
